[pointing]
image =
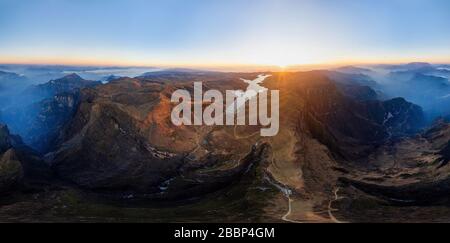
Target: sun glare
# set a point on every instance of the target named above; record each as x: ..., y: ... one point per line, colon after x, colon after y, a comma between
x: 282, y: 65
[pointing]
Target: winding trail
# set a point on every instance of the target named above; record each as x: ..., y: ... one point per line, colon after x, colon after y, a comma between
x: 331, y: 209
x: 284, y: 218
x: 287, y: 193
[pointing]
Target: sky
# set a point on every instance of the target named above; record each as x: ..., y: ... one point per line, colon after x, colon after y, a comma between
x: 223, y: 32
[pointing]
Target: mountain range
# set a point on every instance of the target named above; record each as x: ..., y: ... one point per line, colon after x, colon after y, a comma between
x: 347, y: 151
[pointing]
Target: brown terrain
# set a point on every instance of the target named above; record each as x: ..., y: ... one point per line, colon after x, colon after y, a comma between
x: 335, y: 159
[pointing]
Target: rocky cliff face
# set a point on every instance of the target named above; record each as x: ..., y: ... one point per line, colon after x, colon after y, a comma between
x: 353, y: 128
x: 121, y: 137
x: 119, y: 141
x: 19, y: 166
x: 412, y: 171
x: 11, y: 171
x: 46, y: 108
x: 46, y: 120
x: 68, y: 84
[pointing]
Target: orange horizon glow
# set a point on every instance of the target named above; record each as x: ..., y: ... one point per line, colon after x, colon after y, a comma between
x: 268, y: 66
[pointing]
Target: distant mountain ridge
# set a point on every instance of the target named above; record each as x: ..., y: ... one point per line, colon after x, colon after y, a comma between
x: 68, y: 83
x: 353, y: 69
x: 337, y: 139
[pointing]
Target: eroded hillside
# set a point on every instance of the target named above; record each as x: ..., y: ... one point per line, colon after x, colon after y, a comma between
x: 120, y: 143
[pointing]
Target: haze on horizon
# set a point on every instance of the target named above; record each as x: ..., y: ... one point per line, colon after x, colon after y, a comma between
x: 231, y: 32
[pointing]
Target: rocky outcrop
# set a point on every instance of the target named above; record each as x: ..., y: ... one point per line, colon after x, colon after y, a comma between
x: 121, y: 137
x: 413, y: 171
x: 117, y: 139
x: 47, y: 119
x: 20, y: 167
x: 398, y: 116
x: 5, y: 140
x: 11, y: 171
x: 70, y: 83
x: 353, y: 129
x: 46, y: 109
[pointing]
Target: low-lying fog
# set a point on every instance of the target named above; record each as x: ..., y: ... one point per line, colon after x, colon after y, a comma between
x: 420, y: 83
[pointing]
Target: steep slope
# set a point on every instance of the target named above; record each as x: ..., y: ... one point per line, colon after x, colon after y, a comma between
x: 118, y: 141
x: 11, y: 172
x: 122, y: 138
x: 44, y: 110
x: 122, y: 141
x: 69, y: 83
x: 423, y: 88
x: 415, y: 170
x: 20, y: 168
